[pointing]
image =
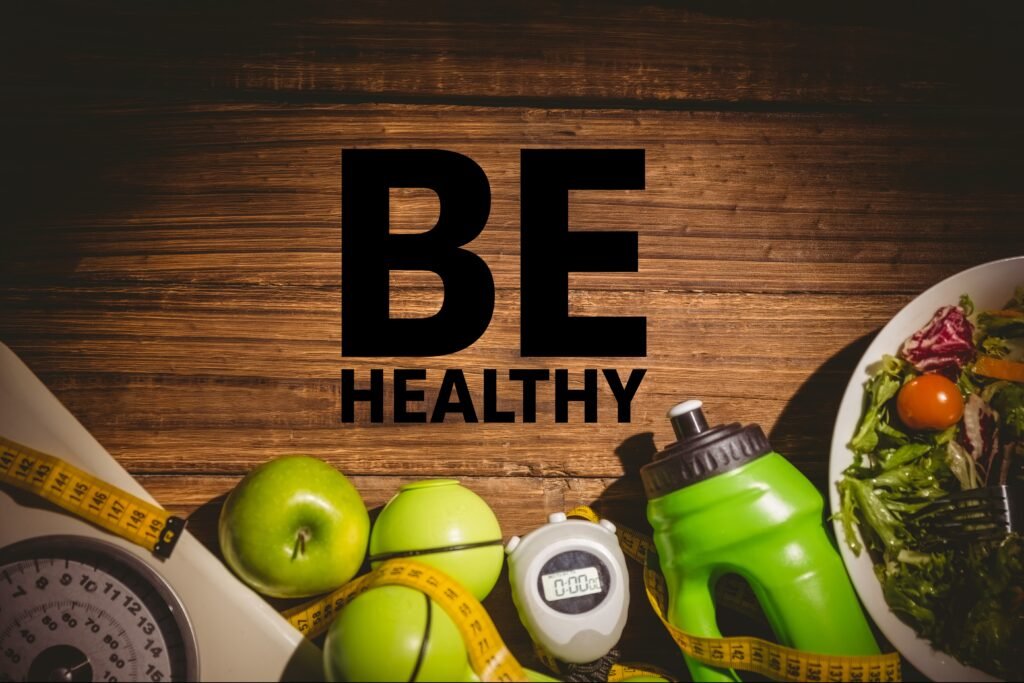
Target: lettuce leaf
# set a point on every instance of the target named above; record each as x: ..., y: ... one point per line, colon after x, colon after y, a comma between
x: 1001, y: 326
x: 995, y: 346
x: 1008, y: 401
x: 880, y: 389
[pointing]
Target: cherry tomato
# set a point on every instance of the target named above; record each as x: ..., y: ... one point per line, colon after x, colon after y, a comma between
x: 929, y: 402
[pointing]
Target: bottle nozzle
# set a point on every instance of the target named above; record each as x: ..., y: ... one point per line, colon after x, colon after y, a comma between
x: 700, y: 452
x: 688, y: 419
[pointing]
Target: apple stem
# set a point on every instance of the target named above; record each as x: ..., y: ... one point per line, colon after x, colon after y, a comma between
x: 301, y: 537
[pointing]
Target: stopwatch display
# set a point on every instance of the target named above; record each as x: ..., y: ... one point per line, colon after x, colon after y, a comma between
x: 571, y: 583
x: 574, y: 582
x: 78, y: 609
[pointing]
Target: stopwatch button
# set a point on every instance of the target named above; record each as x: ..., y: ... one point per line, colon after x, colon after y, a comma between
x: 556, y: 517
x: 607, y: 526
x: 513, y: 543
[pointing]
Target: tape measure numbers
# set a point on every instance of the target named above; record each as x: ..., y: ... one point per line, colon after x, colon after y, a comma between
x: 775, y: 661
x: 488, y: 654
x: 89, y: 497
x: 624, y: 671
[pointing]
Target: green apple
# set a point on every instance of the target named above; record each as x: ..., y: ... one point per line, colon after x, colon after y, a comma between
x: 294, y: 527
x: 429, y: 520
x: 394, y: 633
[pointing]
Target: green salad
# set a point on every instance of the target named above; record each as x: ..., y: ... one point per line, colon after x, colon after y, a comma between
x: 945, y: 414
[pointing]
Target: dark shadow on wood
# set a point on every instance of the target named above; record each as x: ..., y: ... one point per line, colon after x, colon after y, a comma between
x: 805, y: 424
x: 202, y: 524
x: 624, y: 503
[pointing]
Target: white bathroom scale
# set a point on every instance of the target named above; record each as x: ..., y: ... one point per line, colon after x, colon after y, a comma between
x: 80, y: 604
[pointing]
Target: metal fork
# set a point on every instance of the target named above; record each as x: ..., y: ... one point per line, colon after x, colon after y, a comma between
x: 978, y: 514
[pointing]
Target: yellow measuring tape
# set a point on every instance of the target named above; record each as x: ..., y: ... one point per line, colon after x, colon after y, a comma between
x: 89, y: 497
x: 626, y: 671
x: 769, y: 659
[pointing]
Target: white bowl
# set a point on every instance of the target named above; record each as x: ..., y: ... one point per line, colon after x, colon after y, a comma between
x: 990, y: 285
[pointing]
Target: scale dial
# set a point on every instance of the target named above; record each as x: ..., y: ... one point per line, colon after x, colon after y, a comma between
x: 74, y: 608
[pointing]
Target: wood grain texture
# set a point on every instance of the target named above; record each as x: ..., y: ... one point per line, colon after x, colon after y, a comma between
x: 171, y: 235
x: 195, y: 363
x: 236, y: 194
x: 651, y: 53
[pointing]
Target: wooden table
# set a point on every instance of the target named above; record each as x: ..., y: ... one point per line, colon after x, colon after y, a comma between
x: 172, y: 238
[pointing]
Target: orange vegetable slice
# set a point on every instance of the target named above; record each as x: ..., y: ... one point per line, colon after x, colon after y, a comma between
x: 998, y: 368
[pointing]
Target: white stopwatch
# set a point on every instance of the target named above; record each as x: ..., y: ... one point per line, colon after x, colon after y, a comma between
x: 571, y: 587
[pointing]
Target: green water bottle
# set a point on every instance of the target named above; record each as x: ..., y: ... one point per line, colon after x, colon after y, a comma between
x: 721, y: 501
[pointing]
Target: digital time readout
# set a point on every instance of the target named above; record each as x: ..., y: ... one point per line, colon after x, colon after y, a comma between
x: 572, y: 583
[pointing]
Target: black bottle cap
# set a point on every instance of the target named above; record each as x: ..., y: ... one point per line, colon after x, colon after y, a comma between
x: 701, y: 452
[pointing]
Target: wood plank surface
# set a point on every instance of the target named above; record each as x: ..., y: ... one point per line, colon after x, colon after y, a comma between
x: 172, y: 241
x: 767, y: 345
x: 770, y: 247
x: 796, y: 53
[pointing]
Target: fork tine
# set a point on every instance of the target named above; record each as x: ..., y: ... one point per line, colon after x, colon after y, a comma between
x: 959, y: 536
x: 966, y: 516
x: 942, y: 505
x: 924, y: 514
x: 978, y: 511
x: 980, y: 527
x: 957, y: 510
x: 965, y: 519
x: 983, y: 492
x: 975, y: 515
